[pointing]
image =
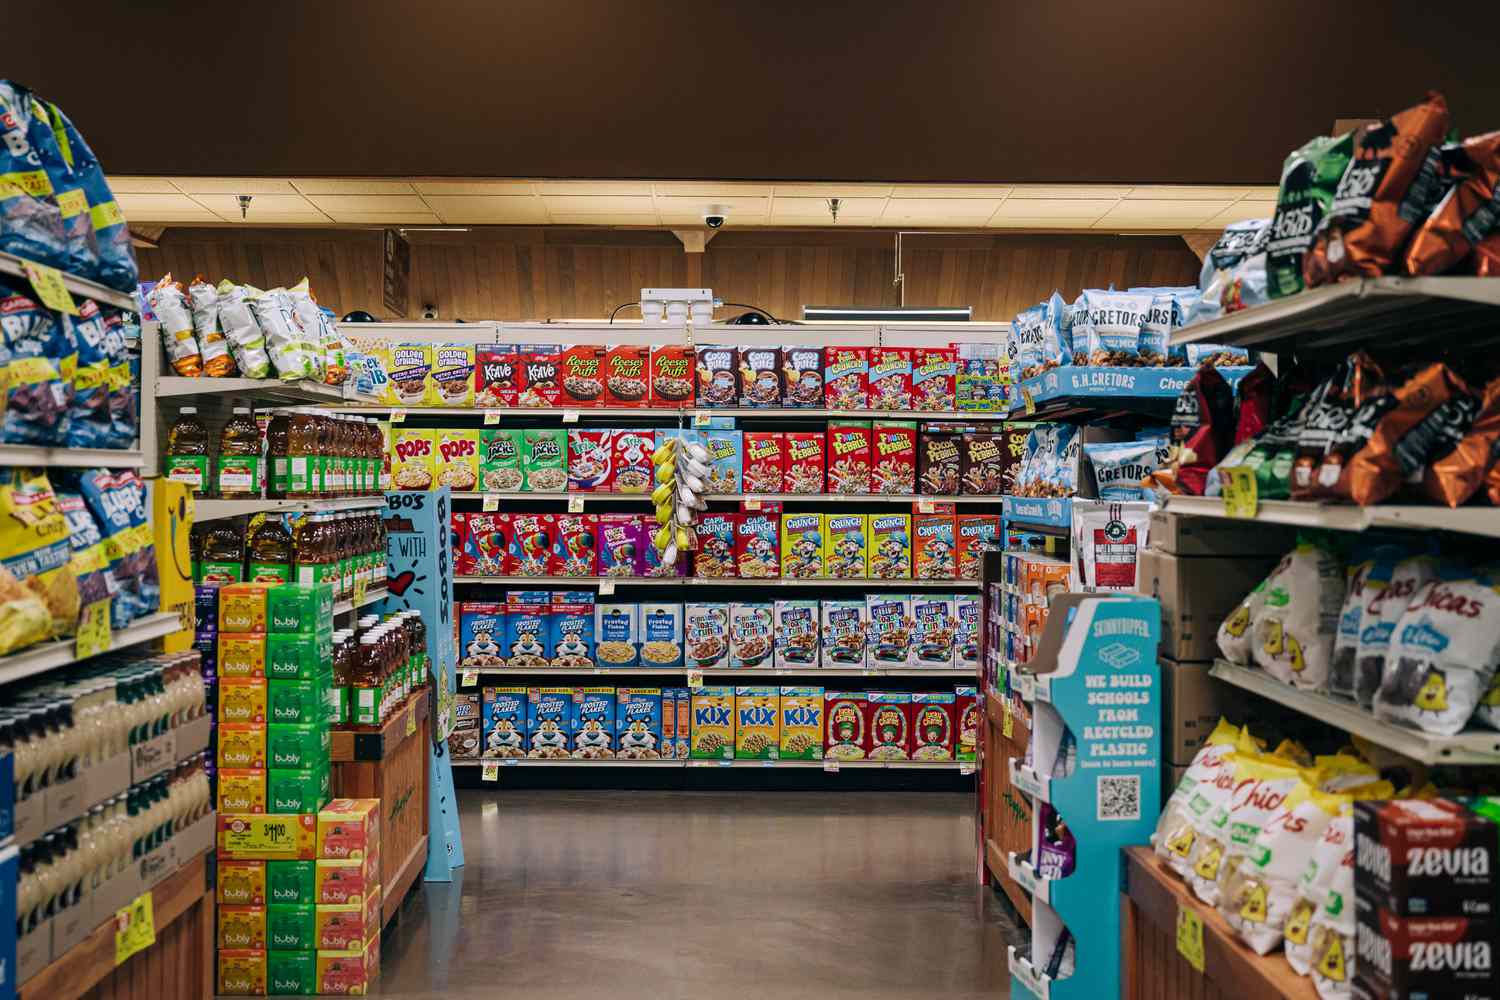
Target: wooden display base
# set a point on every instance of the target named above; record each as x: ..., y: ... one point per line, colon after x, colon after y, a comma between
x: 1003, y: 831
x: 1151, y: 966
x: 406, y: 876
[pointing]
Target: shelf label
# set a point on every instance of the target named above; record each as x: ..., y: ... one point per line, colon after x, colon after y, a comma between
x: 695, y: 679
x: 135, y: 928
x: 752, y: 505
x: 491, y: 418
x: 570, y: 416
x: 510, y: 762
x: 361, y: 591
x: 831, y: 765
x: 411, y: 721
x: 966, y: 769
x: 606, y: 586
x: 1028, y: 401
x: 925, y: 507
x: 701, y: 419
x: 1238, y: 485
x: 468, y: 678
x: 1007, y: 721
x: 489, y: 771
x: 94, y: 636
x: 48, y: 284
x: 575, y: 504
x: 1190, y: 937
x: 398, y: 416
x: 491, y: 504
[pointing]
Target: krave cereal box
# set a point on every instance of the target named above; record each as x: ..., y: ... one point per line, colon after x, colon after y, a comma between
x: 712, y: 723
x: 672, y: 375
x: 625, y: 374
x: 846, y: 720
x: 549, y: 711
x: 844, y: 632
x: 801, y: 723
x: 505, y: 722
x: 889, y: 547
x: 890, y: 378
x: 933, y: 630
x: 706, y: 635
x: 933, y: 371
x: 796, y: 642
x: 890, y: 630
x: 498, y: 375
x: 414, y: 459
x: 764, y: 461
x: 802, y: 383
x: 933, y: 553
x: 801, y: 546
x: 761, y: 377
x: 849, y: 456
x: 757, y: 552
x: 890, y: 725
x: 751, y: 628
x: 934, y: 725
x: 638, y: 724
x: 542, y: 378
x: 452, y: 375
x: 458, y: 460
x: 844, y: 540
x: 804, y: 471
x: 593, y: 724
x: 893, y: 457
x: 846, y: 373
x: 757, y: 723
x: 581, y: 369
x: 633, y: 470
x: 718, y: 375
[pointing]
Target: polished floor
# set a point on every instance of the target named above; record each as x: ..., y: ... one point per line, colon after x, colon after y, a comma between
x: 610, y: 895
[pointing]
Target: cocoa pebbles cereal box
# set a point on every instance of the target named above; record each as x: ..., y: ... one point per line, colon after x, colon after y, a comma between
x: 672, y: 375
x: 983, y: 463
x: 803, y: 371
x: 541, y: 383
x: 581, y: 368
x: 757, y: 549
x: 764, y: 461
x: 801, y: 546
x: 715, y: 555
x: 846, y: 714
x: 761, y: 376
x: 890, y: 378
x: 938, y: 461
x: 497, y: 376
x: 626, y: 373
x: 970, y: 534
x: 844, y: 538
x: 718, y: 375
x: 805, y: 451
x: 633, y: 471
x: 933, y: 374
x: 889, y: 547
x: 849, y: 456
x: 933, y: 553
x: 893, y: 457
x: 846, y: 372
x: 590, y: 459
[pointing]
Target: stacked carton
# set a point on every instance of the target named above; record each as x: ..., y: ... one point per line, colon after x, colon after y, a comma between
x: 347, y: 890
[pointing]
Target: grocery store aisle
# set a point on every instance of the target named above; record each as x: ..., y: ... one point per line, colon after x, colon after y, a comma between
x: 668, y: 895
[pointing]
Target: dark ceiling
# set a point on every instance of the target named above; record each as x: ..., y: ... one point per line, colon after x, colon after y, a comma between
x: 893, y: 90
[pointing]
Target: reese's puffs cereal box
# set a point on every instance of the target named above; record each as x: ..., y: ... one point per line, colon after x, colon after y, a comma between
x: 625, y: 374
x: 581, y: 371
x: 672, y: 375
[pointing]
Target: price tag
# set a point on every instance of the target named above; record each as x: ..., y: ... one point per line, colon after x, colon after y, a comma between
x: 1007, y: 721
x: 570, y: 416
x: 752, y: 505
x: 831, y: 765
x: 489, y: 772
x: 510, y: 762
x: 1190, y: 937
x: 869, y: 672
x: 701, y: 419
x: 695, y: 679
x: 491, y: 504
x: 468, y: 678
x: 411, y: 721
x: 491, y: 418
x: 925, y: 507
x: 606, y: 586
x: 575, y: 504
x: 361, y: 589
x: 1028, y: 401
x: 725, y: 763
x: 135, y: 928
x: 94, y: 636
x: 966, y: 769
x: 1239, y: 490
x: 47, y: 282
x: 398, y: 416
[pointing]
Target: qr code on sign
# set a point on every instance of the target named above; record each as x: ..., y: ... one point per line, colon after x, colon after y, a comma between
x: 1119, y: 796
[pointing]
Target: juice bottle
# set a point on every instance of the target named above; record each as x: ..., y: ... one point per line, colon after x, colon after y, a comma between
x: 309, y: 550
x: 239, y: 456
x: 370, y: 469
x: 270, y: 552
x: 385, y: 457
x: 354, y: 472
x: 187, y: 451
x: 223, y: 556
x: 278, y: 455
x: 339, y: 438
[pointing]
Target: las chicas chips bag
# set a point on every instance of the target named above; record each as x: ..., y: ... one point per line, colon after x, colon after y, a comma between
x: 1378, y: 620
x: 1292, y: 633
x: 1370, y: 573
x: 1458, y: 475
x: 1174, y: 835
x: 170, y: 303
x: 1308, y: 180
x: 1389, y: 187
x: 1259, y: 784
x: 1430, y: 416
x: 1334, y: 847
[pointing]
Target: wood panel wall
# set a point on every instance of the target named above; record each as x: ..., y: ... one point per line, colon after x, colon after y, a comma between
x: 535, y: 274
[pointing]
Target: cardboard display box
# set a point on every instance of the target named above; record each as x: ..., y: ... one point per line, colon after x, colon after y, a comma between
x: 1193, y: 704
x: 1197, y: 593
x: 1210, y: 536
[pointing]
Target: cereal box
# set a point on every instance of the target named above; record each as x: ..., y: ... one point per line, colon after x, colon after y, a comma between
x: 481, y: 629
x: 467, y: 735
x: 761, y: 377
x: 970, y: 533
x: 893, y: 457
x: 414, y: 464
x: 482, y: 540
x: 504, y: 732
x: 500, y: 459
x: 715, y: 556
x: 801, y: 723
x: 802, y: 382
x: 452, y: 375
x: 529, y: 552
x: 751, y: 627
x: 622, y: 545
x: 617, y: 635
x: 890, y: 725
x: 544, y: 460
x: 633, y: 470
x: 625, y: 374
x: 638, y: 724
x: 581, y: 369
x: 804, y: 462
x: 590, y: 459
x: 846, y: 720
x: 939, y: 464
x: 652, y: 565
x: 549, y: 714
x: 796, y: 642
x: 846, y: 373
x: 966, y: 702
x: 528, y: 629
x: 966, y: 631
x: 801, y: 546
x: 1015, y: 434
x: 712, y: 723
x: 757, y: 552
x: 933, y: 630
x: 932, y: 547
x: 845, y: 630
x: 457, y: 465
x: 979, y: 384
x: 592, y: 725
x: 757, y: 723
x: 676, y: 722
x: 672, y: 375
x: 983, y: 463
x: 933, y: 370
x: 571, y: 624
x: 844, y: 539
x: 706, y: 632
x: 889, y: 547
x: 724, y: 449
x: 575, y: 545
x: 718, y: 376
x: 661, y: 635
x: 541, y: 383
x: 849, y: 456
x: 498, y: 374
x: 933, y: 725
x: 890, y: 378
x: 765, y: 461
x: 890, y: 630
x: 411, y: 370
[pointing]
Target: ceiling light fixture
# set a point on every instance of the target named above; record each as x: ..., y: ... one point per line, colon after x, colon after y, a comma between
x: 245, y: 206
x: 432, y: 229
x: 833, y: 208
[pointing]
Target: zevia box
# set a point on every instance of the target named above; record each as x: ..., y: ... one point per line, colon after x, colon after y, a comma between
x: 1418, y: 857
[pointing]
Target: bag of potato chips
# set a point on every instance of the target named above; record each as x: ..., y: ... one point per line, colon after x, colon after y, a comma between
x: 1257, y: 786
x: 34, y: 547
x: 1174, y: 836
x: 1292, y: 634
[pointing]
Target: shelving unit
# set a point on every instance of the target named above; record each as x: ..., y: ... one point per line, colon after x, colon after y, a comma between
x: 1069, y: 391
x: 275, y: 392
x: 81, y: 287
x: 520, y: 582
x: 50, y: 655
x: 829, y: 764
x: 77, y: 458
x: 1477, y: 520
x: 213, y: 509
x: 919, y: 499
x: 714, y: 673
x: 571, y: 415
x: 372, y: 596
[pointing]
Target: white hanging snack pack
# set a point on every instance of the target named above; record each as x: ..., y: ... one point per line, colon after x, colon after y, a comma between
x: 170, y: 304
x: 1175, y: 834
x: 205, y: 301
x: 237, y: 321
x: 1258, y: 897
x: 1384, y: 606
x: 1335, y: 843
x: 1292, y: 634
x: 1234, y: 631
x: 317, y: 330
x: 291, y: 352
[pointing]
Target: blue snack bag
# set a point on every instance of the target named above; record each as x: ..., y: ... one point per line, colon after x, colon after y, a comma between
x: 35, y: 394
x: 31, y: 222
x: 1028, y: 335
x: 1120, y: 466
x: 1057, y: 333
x: 89, y: 423
x: 123, y: 377
x: 118, y: 503
x: 113, y: 260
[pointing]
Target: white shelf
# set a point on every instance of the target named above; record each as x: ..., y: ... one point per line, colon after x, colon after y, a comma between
x: 371, y: 596
x: 1477, y: 746
x: 1344, y: 517
x: 1027, y: 780
x: 523, y: 582
x: 51, y: 655
x: 904, y: 498
x: 565, y: 413
x: 277, y: 390
x: 716, y: 673
x: 11, y: 264
x: 23, y: 454
x: 210, y: 509
x: 965, y: 767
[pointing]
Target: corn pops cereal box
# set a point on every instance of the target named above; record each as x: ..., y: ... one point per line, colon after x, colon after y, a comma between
x: 715, y: 556
x: 932, y: 553
x: 411, y: 371
x: 757, y: 723
x: 846, y: 717
x: 890, y: 630
x: 844, y: 539
x: 706, y: 634
x: 801, y: 546
x: 933, y: 630
x: 724, y: 462
x: 844, y: 631
x: 889, y: 376
x: 765, y: 461
x: 893, y: 457
x: 889, y: 547
x: 712, y: 723
x: 751, y: 634
x: 626, y: 368
x: 933, y: 725
x: 846, y: 373
x: 633, y: 471
x: 804, y: 468
x: 413, y: 466
x: 638, y: 724
x: 796, y: 634
x: 452, y: 375
x: 890, y: 725
x: 757, y: 552
x: 849, y: 456
x: 970, y: 533
x: 458, y: 460
x: 801, y: 723
x: 933, y: 370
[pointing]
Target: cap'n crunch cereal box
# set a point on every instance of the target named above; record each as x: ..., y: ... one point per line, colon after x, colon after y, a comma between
x: 890, y: 378
x: 498, y: 375
x: 633, y: 471
x: 764, y: 461
x: 718, y: 375
x: 414, y: 465
x: 625, y: 374
x: 844, y: 540
x: 803, y: 370
x: 757, y: 551
x: 849, y: 456
x: 846, y: 373
x: 893, y: 457
x: 580, y: 367
x: 933, y: 370
x: 541, y: 385
x: 458, y: 460
x: 889, y: 547
x: 801, y: 546
x: 932, y: 554
x: 970, y: 532
x: 672, y: 375
x: 804, y: 462
x: 715, y: 556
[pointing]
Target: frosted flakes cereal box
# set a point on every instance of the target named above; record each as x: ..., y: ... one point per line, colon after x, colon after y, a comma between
x: 757, y: 551
x: 889, y: 547
x: 801, y: 546
x: 846, y: 720
x: 575, y: 545
x: 764, y: 461
x: 846, y: 372
x: 638, y: 724
x: 633, y: 470
x: 724, y: 449
x: 802, y: 382
x: 933, y: 630
x: 718, y: 371
x: 844, y: 631
x: 966, y: 701
x: 528, y: 629
x: 544, y: 455
x: 625, y: 374
x: 970, y: 533
x: 890, y: 725
x: 715, y: 556
x: 672, y: 375
x: 890, y: 378
x: 617, y: 635
x: 413, y: 467
x: 529, y: 552
x: 591, y: 459
x: 712, y: 735
x: 796, y: 642
x: 932, y: 550
x: 757, y: 723
x: 541, y: 382
x: 761, y: 377
x: 498, y: 376
x: 452, y: 375
x: 504, y: 728
x: 572, y: 629
x: 933, y: 371
x: 751, y: 628
x: 411, y: 371
x: 804, y: 471
x: 890, y: 630
x: 966, y: 631
x: 893, y: 457
x: 849, y: 456
x: 549, y: 713
x: 661, y: 635
x: 592, y: 724
x: 933, y: 725
x: 801, y: 723
x: 706, y: 634
x: 481, y: 628
x: 500, y: 459
x: 622, y: 545
x: 580, y: 367
x: 458, y: 460
x: 844, y: 539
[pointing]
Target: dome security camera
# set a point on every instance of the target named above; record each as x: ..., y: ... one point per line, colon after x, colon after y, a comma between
x: 715, y: 216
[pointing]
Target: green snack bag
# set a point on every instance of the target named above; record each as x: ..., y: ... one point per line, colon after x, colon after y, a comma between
x: 1309, y: 177
x: 298, y: 791
x: 301, y: 656
x: 291, y: 927
x: 544, y: 455
x: 292, y: 973
x: 298, y: 701
x: 291, y: 881
x: 299, y: 607
x: 297, y: 745
x: 500, y: 459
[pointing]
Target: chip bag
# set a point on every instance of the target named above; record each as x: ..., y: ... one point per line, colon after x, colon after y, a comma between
x: 1260, y: 893
x: 1334, y: 846
x: 1430, y: 415
x: 1384, y: 608
x: 34, y: 546
x: 1111, y: 326
x: 114, y: 261
x: 1336, y: 422
x: 31, y: 222
x: 1234, y: 631
x: 1292, y: 633
x: 118, y: 503
x: 1455, y: 477
x: 1174, y: 835
x: 1202, y: 431
x: 294, y: 354
x: 317, y: 330
x: 88, y: 563
x: 35, y: 392
x: 170, y: 304
x: 1259, y: 784
x: 80, y: 250
x: 89, y: 423
x: 1231, y: 259
x: 121, y: 328
x: 1465, y: 218
x: 1308, y: 179
x: 237, y: 320
x: 204, y: 299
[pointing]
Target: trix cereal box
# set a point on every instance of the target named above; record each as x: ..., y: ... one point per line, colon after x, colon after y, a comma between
x: 844, y: 538
x: 414, y: 459
x: 893, y: 457
x: 761, y: 376
x: 549, y: 713
x: 625, y: 374
x: 890, y: 378
x: 574, y: 546
x: 706, y: 632
x: 805, y: 452
x: 890, y: 630
x: 505, y: 722
x: 724, y: 448
x: 497, y: 376
x: 890, y: 725
x: 846, y: 372
x: 718, y: 376
x: 801, y: 723
x: 933, y: 370
x: 713, y: 723
x: 672, y: 375
x: 544, y: 465
x: 716, y: 540
x: 765, y: 461
x: 966, y: 631
x: 932, y: 551
x: 541, y: 385
x: 457, y: 465
x: 500, y: 459
x: 751, y: 631
x: 632, y: 461
x: 757, y: 723
x: 966, y: 701
x: 933, y: 725
x: 846, y: 734
x: 590, y: 459
x: 757, y: 553
x: 531, y: 544
x: 481, y: 627
x: 970, y: 533
x: 932, y: 630
x: 638, y: 724
x: 593, y: 724
x: 622, y: 545
x: 889, y: 547
x: 849, y: 456
x: 582, y: 378
x: 844, y: 632
x: 802, y: 368
x: 801, y: 546
x: 796, y: 634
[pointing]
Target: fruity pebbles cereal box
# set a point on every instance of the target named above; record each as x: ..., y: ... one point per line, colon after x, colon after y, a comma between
x: 849, y: 456
x: 893, y: 457
x: 765, y: 461
x: 804, y: 469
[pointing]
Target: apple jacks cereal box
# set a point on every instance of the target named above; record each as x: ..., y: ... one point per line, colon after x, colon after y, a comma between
x: 889, y: 547
x: 757, y: 552
x: 544, y: 454
x: 844, y: 632
x: 458, y: 460
x: 804, y: 470
x: 638, y: 724
x: 633, y: 471
x: 846, y: 372
x: 890, y: 630
x: 801, y: 546
x: 757, y: 723
x: 844, y: 539
x: 890, y: 378
x: 706, y: 635
x: 933, y: 370
x: 593, y: 724
x: 751, y: 630
x: 414, y: 463
x: 765, y: 461
x: 849, y: 456
x: 893, y: 457
x: 933, y: 630
x: 500, y: 459
x: 452, y: 375
x: 672, y: 375
x: 796, y: 634
x: 801, y: 723
x: 932, y: 555
x: 713, y: 723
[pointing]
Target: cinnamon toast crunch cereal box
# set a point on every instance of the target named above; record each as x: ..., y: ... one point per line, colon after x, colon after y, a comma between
x: 890, y: 617
x: 457, y: 465
x: 801, y: 723
x: 757, y: 723
x: 706, y: 635
x: 889, y: 547
x: 801, y: 546
x: 844, y: 632
x: 933, y: 630
x: 844, y: 540
x: 712, y: 723
x: 796, y: 634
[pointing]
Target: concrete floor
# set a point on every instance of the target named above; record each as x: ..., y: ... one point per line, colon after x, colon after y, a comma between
x: 702, y: 895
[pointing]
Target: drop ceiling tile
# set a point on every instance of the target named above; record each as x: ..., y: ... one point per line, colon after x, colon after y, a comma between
x: 162, y: 208
x: 336, y: 185
x: 475, y: 187
x: 1061, y: 191
x: 940, y: 211
x: 1042, y: 222
x: 1186, y: 192
x: 906, y: 191
x: 1192, y: 212
x: 227, y: 206
x: 734, y: 207
x: 1240, y: 211
x: 849, y: 208
x: 594, y: 188
x: 339, y: 207
x: 585, y: 219
x: 233, y: 185
x: 390, y: 218
x: 599, y: 204
x: 1063, y: 208
x: 141, y: 185
x: 711, y: 190
x: 488, y: 208
x: 1173, y: 224
x: 832, y: 190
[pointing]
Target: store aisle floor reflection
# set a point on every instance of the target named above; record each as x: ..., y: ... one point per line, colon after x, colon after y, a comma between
x: 663, y: 895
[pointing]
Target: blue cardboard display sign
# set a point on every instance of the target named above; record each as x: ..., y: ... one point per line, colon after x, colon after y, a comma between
x: 1113, y: 383
x: 1049, y: 512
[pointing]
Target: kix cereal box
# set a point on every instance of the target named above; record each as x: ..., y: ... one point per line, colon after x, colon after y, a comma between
x: 242, y: 973
x: 888, y: 547
x: 844, y: 539
x: 844, y: 633
x: 457, y: 465
x: 242, y: 883
x: 933, y: 555
x: 796, y: 634
x: 757, y: 724
x: 801, y: 723
x: 349, y: 828
x: 413, y: 461
x: 593, y: 724
x: 712, y: 723
x: 638, y: 724
x: 801, y: 546
x: 548, y: 712
x: 452, y: 382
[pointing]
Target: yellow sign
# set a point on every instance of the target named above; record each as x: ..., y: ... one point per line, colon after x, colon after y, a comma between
x: 1190, y: 937
x: 575, y: 504
x: 491, y: 418
x: 491, y: 504
x: 570, y: 416
x: 94, y: 636
x: 1238, y: 485
x: 695, y: 678
x: 361, y: 588
x: 468, y: 678
x: 926, y: 507
x: 398, y: 416
x: 1028, y: 401
x: 411, y: 721
x: 47, y: 282
x: 135, y: 930
x: 1007, y: 721
x: 752, y: 505
x: 489, y: 772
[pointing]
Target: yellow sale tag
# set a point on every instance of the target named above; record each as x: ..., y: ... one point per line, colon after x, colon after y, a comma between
x: 491, y: 504
x: 575, y: 504
x: 1238, y: 485
x: 361, y: 588
x: 135, y: 929
x: 1007, y: 721
x: 491, y: 418
x: 398, y: 416
x: 47, y: 282
x: 1028, y: 401
x: 701, y: 419
x: 1190, y: 937
x: 468, y: 678
x: 606, y: 587
x: 489, y: 772
x: 94, y: 636
x: 411, y: 721
x: 752, y: 505
x: 695, y: 678
x: 570, y: 416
